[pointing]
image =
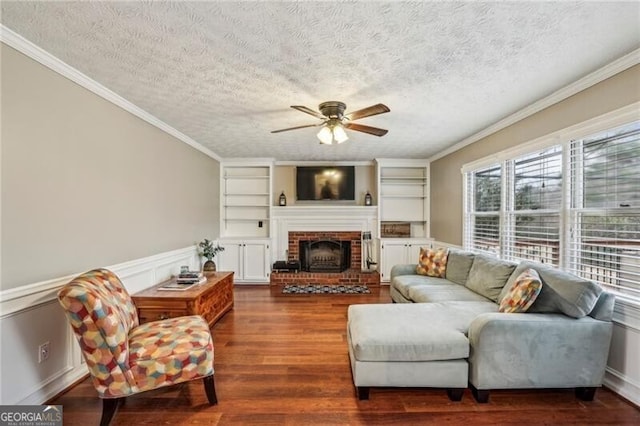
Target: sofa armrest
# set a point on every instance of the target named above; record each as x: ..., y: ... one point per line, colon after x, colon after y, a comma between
x: 511, y: 351
x: 406, y: 269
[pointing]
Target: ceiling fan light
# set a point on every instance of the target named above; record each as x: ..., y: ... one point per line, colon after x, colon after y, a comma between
x: 339, y: 134
x: 325, y: 135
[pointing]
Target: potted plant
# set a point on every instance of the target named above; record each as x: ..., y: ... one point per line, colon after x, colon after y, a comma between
x: 209, y: 251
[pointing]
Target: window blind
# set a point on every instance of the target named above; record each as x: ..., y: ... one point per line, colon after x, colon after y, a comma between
x: 534, y: 201
x: 484, y: 200
x: 604, y: 243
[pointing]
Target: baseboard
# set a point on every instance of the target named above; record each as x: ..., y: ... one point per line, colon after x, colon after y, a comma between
x: 56, y: 386
x: 622, y: 385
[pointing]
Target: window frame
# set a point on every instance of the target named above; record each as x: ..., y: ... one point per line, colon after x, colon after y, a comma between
x: 562, y: 139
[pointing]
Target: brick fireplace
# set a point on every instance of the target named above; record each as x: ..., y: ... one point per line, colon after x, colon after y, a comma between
x: 352, y: 237
x: 352, y: 275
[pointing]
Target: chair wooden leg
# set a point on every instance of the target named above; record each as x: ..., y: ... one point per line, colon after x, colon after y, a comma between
x: 210, y: 389
x: 109, y: 408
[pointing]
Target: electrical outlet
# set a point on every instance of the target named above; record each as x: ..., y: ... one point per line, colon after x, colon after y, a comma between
x: 43, y: 351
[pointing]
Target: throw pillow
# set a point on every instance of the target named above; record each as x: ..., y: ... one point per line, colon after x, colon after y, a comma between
x: 432, y: 263
x: 522, y: 293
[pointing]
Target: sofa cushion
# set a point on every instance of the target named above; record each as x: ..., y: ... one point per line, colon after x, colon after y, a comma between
x: 522, y: 293
x: 403, y: 283
x: 458, y: 265
x: 489, y: 275
x: 412, y: 332
x: 562, y: 292
x: 432, y: 263
x: 443, y: 292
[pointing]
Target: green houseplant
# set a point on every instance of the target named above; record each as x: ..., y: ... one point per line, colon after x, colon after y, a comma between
x: 209, y: 251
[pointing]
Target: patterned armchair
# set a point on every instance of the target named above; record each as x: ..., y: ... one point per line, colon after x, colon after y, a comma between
x: 126, y: 358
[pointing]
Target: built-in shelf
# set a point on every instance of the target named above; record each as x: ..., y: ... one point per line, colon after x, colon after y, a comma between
x: 247, y: 194
x: 420, y: 179
x: 403, y: 194
x: 246, y: 199
x: 245, y: 177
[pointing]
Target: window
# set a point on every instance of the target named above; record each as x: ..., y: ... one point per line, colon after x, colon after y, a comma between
x: 484, y: 201
x: 605, y: 209
x: 533, y: 211
x: 575, y: 205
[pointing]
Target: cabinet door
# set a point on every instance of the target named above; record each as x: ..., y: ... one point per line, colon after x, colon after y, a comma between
x: 231, y: 258
x: 413, y: 252
x: 256, y: 261
x: 391, y: 253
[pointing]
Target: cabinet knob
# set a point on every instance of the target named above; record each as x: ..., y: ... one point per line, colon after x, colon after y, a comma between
x: 163, y: 316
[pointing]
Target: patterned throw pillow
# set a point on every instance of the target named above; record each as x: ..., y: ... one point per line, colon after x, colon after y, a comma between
x: 432, y: 262
x: 522, y: 293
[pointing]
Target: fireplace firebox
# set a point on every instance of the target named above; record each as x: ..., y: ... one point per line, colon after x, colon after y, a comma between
x: 325, y: 255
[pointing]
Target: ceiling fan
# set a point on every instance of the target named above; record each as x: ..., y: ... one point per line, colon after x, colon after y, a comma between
x: 334, y: 121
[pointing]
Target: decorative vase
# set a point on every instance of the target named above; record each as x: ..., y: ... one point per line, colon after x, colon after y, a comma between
x: 209, y: 266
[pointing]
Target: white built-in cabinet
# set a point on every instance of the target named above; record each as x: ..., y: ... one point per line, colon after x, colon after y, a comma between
x: 245, y: 216
x: 249, y: 259
x: 399, y: 251
x: 403, y: 199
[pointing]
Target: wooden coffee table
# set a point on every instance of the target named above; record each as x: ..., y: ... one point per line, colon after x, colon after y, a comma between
x: 211, y: 300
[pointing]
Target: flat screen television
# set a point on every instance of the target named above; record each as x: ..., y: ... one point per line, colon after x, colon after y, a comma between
x: 326, y: 183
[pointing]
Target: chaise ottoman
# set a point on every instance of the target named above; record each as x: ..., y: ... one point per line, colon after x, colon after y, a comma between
x: 410, y: 345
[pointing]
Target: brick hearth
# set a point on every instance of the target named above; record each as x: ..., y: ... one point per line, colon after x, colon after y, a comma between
x: 350, y: 276
x: 353, y: 275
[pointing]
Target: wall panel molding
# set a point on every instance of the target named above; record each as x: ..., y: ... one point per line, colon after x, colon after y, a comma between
x: 24, y: 380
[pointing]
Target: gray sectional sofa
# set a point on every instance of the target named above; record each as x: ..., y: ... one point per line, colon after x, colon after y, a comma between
x: 448, y: 333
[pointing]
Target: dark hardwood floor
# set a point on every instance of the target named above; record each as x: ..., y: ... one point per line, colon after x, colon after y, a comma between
x: 282, y: 360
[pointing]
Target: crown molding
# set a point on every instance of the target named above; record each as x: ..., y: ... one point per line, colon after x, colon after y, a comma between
x: 324, y: 163
x: 609, y: 70
x: 26, y: 47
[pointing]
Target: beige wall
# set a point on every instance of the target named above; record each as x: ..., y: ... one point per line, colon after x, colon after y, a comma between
x: 87, y: 184
x: 284, y: 179
x: 446, y: 178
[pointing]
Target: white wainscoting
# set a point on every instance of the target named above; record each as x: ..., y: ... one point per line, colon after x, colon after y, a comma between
x: 623, y: 367
x: 30, y: 315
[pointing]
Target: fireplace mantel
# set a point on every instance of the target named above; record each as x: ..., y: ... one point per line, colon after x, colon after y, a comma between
x: 324, y: 210
x: 318, y: 218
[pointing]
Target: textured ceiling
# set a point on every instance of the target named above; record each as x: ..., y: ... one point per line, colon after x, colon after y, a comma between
x: 225, y: 73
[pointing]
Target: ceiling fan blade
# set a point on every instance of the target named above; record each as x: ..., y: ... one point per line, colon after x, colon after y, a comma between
x: 367, y: 112
x: 309, y: 111
x: 366, y: 129
x: 297, y: 127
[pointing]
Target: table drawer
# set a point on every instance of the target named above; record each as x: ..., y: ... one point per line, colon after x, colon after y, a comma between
x: 148, y: 315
